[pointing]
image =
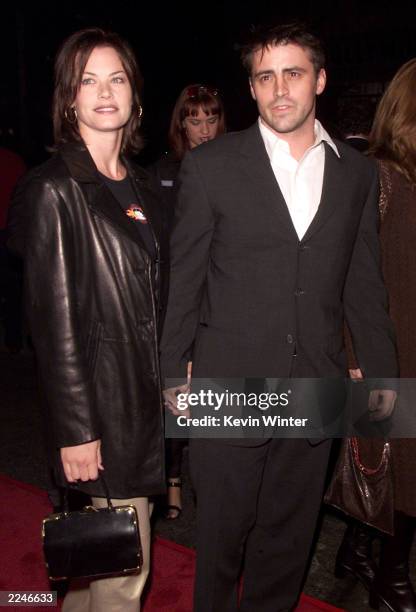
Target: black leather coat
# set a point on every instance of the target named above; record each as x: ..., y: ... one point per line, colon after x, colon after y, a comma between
x: 92, y: 298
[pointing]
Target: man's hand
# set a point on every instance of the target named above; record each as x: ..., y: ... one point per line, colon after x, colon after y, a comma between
x: 171, y: 399
x: 381, y: 404
x: 82, y: 462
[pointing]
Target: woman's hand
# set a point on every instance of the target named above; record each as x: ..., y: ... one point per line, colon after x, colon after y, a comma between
x: 82, y: 462
x: 381, y: 404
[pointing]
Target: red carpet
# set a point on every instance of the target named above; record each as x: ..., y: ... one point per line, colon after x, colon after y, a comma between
x: 22, y: 508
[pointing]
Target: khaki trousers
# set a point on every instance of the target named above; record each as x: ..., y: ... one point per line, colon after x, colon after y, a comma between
x: 118, y: 594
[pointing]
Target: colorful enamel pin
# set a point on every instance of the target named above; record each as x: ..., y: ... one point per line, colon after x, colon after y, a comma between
x: 136, y: 213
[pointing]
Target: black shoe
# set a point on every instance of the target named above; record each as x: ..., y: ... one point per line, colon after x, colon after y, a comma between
x: 397, y: 595
x: 355, y: 555
x: 392, y: 587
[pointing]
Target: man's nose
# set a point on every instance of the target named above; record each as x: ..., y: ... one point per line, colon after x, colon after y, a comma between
x: 281, y: 88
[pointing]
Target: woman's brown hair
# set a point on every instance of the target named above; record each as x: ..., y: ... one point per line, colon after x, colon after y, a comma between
x: 69, y: 66
x: 393, y: 135
x: 190, y: 100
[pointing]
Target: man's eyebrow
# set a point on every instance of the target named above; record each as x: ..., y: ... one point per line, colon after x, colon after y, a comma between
x: 294, y: 69
x: 288, y: 69
x: 262, y: 72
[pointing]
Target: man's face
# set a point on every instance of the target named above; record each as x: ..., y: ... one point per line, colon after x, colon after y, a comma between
x: 284, y: 84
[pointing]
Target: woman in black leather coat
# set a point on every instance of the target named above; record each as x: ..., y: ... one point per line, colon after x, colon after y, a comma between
x: 88, y: 225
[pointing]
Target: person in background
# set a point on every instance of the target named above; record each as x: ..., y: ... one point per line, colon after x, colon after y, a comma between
x: 12, y: 167
x: 393, y: 143
x: 198, y: 116
x: 88, y: 225
x: 354, y: 120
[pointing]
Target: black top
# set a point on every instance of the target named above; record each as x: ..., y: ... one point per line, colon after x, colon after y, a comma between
x: 125, y: 195
x: 166, y: 171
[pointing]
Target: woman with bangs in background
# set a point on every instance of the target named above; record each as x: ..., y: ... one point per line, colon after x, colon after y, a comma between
x: 198, y: 116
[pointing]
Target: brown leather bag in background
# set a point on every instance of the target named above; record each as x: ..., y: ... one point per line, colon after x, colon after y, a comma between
x: 363, y: 493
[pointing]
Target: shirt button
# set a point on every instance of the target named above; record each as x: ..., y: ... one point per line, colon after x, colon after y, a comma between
x: 289, y: 339
x: 303, y: 247
x: 299, y: 292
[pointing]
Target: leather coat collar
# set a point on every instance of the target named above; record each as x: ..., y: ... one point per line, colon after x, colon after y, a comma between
x: 82, y: 168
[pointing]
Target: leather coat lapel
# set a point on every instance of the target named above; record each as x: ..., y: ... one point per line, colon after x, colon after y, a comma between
x: 256, y: 164
x: 100, y: 199
x: 147, y: 198
x: 104, y: 204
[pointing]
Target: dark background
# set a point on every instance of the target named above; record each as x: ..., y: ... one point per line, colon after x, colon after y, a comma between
x: 183, y: 42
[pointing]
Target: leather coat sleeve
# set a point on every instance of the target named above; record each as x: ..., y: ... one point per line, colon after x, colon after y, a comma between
x: 189, y: 258
x: 55, y: 323
x: 365, y: 298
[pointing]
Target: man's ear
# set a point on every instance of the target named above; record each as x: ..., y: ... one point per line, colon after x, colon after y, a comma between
x: 320, y: 81
x: 253, y: 95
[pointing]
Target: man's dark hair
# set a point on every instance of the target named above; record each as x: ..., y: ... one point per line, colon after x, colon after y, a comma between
x: 296, y: 33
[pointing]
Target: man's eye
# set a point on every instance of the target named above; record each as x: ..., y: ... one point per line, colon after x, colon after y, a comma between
x: 293, y: 74
x: 265, y: 77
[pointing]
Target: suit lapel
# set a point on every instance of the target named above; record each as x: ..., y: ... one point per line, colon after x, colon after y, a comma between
x: 256, y: 164
x: 333, y: 180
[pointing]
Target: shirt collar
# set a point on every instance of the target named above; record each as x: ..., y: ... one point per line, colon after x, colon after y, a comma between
x: 272, y: 141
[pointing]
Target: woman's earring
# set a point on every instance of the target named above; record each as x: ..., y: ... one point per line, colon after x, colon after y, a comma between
x: 71, y: 115
x: 140, y: 112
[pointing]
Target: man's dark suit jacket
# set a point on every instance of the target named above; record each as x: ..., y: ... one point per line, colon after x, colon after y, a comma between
x: 247, y: 294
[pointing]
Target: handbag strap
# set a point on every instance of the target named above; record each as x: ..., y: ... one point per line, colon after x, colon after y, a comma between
x: 106, y: 492
x: 363, y: 468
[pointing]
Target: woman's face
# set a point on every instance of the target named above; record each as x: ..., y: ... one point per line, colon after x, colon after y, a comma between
x: 200, y: 128
x: 104, y: 99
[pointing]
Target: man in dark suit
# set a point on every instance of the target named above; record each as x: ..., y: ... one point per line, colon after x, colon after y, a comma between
x: 275, y: 242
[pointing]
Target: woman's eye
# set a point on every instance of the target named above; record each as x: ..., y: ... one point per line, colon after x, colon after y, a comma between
x: 213, y: 120
x: 87, y: 81
x: 194, y: 122
x: 118, y: 80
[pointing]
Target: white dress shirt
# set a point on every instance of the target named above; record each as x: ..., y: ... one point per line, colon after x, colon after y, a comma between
x: 300, y: 181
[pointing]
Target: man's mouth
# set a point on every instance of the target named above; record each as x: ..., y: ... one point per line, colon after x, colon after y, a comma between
x: 278, y: 108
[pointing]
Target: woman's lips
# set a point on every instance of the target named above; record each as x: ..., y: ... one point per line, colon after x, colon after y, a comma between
x: 106, y: 109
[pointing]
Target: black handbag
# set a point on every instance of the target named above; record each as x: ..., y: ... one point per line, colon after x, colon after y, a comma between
x: 363, y: 493
x: 92, y: 542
